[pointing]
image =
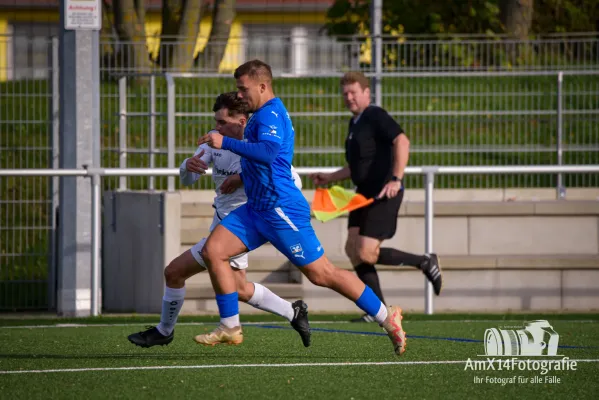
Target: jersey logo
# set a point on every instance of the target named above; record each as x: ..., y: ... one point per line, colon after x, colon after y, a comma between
x: 272, y: 132
x: 219, y: 171
x: 276, y: 115
x: 297, y: 251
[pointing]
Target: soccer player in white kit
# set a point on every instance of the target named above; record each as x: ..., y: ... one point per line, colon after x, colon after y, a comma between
x: 227, y: 176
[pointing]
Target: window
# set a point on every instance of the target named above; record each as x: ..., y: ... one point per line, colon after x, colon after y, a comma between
x: 31, y: 55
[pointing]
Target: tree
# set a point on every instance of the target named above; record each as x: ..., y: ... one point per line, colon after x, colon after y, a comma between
x: 223, y: 15
x: 180, y: 28
x: 347, y: 17
x: 566, y: 16
x: 106, y: 37
x: 401, y: 17
x: 129, y: 23
x: 517, y: 17
x: 520, y: 19
x: 178, y: 37
x: 517, y: 20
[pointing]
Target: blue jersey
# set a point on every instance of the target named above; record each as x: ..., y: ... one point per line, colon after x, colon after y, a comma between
x: 271, y: 186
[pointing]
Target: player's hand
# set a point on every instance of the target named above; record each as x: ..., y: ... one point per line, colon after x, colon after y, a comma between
x: 196, y: 164
x: 212, y: 139
x: 390, y: 190
x: 320, y: 178
x: 231, y: 184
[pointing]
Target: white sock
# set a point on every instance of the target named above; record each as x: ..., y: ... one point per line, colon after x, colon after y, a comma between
x: 264, y: 299
x: 172, y: 301
x: 381, y: 316
x: 231, y: 322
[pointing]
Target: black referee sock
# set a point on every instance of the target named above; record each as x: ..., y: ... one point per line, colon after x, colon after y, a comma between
x: 367, y: 274
x: 390, y: 256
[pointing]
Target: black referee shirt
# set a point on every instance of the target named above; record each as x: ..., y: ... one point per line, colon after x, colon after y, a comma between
x: 369, y: 149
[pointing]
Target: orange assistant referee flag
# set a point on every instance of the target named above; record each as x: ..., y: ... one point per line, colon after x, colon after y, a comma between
x: 336, y: 201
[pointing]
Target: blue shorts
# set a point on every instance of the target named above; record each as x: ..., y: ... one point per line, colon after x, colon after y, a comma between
x: 289, y: 229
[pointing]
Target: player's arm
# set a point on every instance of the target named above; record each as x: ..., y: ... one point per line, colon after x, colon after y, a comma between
x: 192, y: 168
x: 389, y: 130
x: 401, y: 151
x: 266, y: 149
x: 340, y: 174
x: 321, y: 178
x: 231, y: 184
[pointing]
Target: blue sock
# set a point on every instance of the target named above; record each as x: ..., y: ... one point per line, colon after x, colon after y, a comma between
x: 368, y: 302
x: 228, y: 304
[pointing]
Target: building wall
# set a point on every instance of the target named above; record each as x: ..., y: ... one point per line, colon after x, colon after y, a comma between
x: 234, y: 53
x: 8, y: 17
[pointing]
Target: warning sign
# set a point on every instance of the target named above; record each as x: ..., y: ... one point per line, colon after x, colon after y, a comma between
x: 83, y: 14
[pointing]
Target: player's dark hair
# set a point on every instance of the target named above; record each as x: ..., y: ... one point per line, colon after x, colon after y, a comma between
x: 232, y: 103
x: 255, y: 70
x: 353, y: 77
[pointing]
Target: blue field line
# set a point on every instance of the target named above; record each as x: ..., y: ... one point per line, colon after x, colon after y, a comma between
x: 450, y: 339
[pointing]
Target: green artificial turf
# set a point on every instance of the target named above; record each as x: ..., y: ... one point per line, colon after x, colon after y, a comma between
x: 341, y: 363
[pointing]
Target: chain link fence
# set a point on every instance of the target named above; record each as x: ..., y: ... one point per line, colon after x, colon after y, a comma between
x: 453, y: 119
x: 28, y: 123
x: 462, y: 101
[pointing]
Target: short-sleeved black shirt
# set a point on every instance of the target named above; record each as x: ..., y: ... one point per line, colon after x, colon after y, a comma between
x: 369, y: 149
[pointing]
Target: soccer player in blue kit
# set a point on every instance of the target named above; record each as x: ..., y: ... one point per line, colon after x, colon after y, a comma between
x: 276, y: 211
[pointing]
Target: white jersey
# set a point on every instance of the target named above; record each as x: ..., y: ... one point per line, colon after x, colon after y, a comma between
x: 224, y: 164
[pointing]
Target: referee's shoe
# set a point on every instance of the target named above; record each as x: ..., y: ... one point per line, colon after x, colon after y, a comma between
x: 431, y: 267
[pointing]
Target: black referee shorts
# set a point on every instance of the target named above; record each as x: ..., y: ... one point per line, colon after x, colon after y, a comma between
x: 379, y: 219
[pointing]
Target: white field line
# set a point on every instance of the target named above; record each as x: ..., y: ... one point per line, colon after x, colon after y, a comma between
x: 209, y: 366
x: 212, y: 366
x: 75, y: 325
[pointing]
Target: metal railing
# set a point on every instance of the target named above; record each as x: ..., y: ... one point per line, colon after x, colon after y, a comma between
x: 458, y: 99
x: 429, y: 172
x: 455, y: 112
x: 302, y: 53
x: 542, y: 126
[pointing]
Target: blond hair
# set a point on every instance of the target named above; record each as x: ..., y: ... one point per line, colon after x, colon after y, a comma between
x: 353, y: 77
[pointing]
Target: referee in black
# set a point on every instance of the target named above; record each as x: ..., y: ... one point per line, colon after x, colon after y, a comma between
x: 377, y: 152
